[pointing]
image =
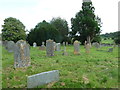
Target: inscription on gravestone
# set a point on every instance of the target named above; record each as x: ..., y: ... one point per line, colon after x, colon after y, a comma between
x: 49, y: 48
x: 42, y: 78
x: 21, y: 54
x: 76, y: 47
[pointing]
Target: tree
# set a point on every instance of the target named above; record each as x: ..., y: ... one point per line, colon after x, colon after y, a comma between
x: 85, y: 25
x: 13, y: 30
x: 62, y: 26
x: 42, y: 32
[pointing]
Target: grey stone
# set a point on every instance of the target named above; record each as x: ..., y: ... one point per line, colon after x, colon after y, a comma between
x: 110, y: 50
x: 54, y: 45
x: 63, y: 43
x: 87, y: 48
x: 34, y: 44
x: 76, y: 47
x: 42, y: 47
x: 10, y: 46
x: 58, y: 46
x: 21, y: 54
x: 49, y: 48
x: 42, y: 78
x: 66, y: 43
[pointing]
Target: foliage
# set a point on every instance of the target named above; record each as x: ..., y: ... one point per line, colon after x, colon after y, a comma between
x: 62, y: 26
x: 98, y: 69
x: 86, y: 25
x: 13, y: 30
x: 42, y: 32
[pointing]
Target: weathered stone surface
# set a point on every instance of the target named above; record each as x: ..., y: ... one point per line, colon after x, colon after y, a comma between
x: 65, y: 52
x: 49, y: 48
x: 58, y: 47
x: 34, y: 44
x: 66, y: 43
x: 87, y: 48
x: 10, y: 46
x: 76, y: 47
x: 21, y: 54
x: 42, y: 78
x: 54, y: 44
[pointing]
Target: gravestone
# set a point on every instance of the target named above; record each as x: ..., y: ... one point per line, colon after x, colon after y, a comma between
x: 66, y: 43
x: 87, y: 48
x: 49, y: 48
x: 42, y: 78
x: 21, y: 54
x: 54, y: 44
x: 34, y: 44
x: 64, y: 52
x: 58, y: 47
x: 76, y: 47
x: 63, y: 43
x: 4, y: 43
x: 10, y: 46
x: 110, y: 50
x: 42, y: 47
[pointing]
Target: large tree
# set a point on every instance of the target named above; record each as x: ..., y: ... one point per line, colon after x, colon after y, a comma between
x: 85, y: 25
x: 62, y: 26
x: 13, y: 30
x: 42, y: 32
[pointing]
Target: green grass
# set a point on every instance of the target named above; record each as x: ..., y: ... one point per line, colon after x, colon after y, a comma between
x: 99, y: 69
x: 107, y: 41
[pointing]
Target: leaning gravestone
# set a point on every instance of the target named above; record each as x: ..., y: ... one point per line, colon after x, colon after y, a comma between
x: 42, y: 78
x: 49, y: 47
x: 10, y: 46
x: 34, y: 44
x: 58, y: 47
x: 21, y: 54
x: 76, y: 47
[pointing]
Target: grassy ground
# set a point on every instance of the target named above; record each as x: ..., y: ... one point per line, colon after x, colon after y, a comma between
x: 107, y: 41
x: 99, y: 69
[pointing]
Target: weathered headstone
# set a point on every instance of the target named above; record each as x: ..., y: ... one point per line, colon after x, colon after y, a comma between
x: 57, y: 46
x: 66, y: 43
x: 54, y: 44
x: 87, y: 48
x: 10, y: 46
x: 110, y: 50
x: 21, y: 54
x: 42, y: 78
x: 34, y: 44
x: 76, y: 47
x: 64, y: 52
x: 42, y: 47
x: 49, y: 48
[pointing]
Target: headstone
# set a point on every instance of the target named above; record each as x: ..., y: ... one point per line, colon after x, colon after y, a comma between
x: 21, y: 54
x: 66, y: 43
x: 54, y: 44
x: 58, y: 47
x: 4, y: 43
x: 42, y: 78
x: 42, y: 47
x: 10, y: 46
x: 110, y: 50
x: 63, y: 43
x: 87, y: 48
x: 76, y: 47
x: 49, y: 48
x: 34, y: 44
x: 64, y: 52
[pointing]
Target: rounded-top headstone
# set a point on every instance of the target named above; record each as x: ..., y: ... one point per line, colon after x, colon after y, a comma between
x: 76, y: 47
x: 10, y: 46
x: 21, y: 54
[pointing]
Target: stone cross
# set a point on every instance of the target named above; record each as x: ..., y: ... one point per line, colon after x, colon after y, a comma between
x: 34, y: 44
x: 76, y: 47
x: 21, y: 54
x: 49, y: 47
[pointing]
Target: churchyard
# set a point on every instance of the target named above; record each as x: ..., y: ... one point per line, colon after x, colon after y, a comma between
x: 97, y: 68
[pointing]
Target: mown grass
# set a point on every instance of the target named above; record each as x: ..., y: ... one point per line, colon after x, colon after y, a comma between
x: 111, y: 41
x: 98, y: 69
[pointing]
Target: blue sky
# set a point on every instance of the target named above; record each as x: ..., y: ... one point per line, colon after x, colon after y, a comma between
x: 31, y: 12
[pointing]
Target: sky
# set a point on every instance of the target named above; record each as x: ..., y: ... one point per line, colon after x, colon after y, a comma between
x: 31, y: 12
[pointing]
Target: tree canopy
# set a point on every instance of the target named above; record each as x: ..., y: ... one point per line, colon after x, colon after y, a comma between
x: 85, y: 25
x: 13, y: 30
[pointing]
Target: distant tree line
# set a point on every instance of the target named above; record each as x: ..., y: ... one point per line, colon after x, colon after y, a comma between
x: 85, y: 26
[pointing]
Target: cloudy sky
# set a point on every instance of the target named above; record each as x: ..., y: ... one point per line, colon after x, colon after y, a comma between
x: 31, y: 12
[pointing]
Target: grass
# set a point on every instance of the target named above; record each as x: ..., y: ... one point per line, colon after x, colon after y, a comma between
x: 107, y: 41
x: 98, y: 69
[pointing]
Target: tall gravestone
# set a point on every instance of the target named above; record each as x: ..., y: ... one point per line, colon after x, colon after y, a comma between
x: 76, y: 47
x: 21, y: 54
x: 10, y: 46
x: 49, y: 47
x: 57, y: 46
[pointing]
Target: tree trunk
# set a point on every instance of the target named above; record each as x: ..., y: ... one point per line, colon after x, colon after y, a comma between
x: 88, y: 40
